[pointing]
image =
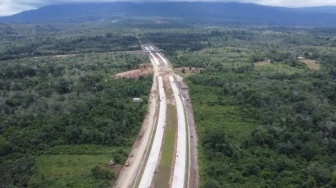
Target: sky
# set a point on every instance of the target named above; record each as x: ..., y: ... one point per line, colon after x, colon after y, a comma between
x: 9, y: 7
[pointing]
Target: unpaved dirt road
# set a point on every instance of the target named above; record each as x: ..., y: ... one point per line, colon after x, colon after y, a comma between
x: 128, y: 175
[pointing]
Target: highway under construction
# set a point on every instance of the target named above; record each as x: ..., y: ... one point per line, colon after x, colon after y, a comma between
x: 168, y: 124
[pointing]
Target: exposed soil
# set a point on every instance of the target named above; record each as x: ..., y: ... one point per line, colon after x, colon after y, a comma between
x: 129, y: 174
x: 311, y: 64
x: 144, y: 70
x: 193, y: 178
x: 114, y: 168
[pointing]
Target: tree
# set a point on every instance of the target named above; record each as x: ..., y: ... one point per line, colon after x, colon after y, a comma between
x: 333, y: 177
x: 286, y: 148
x: 99, y: 173
x: 309, y: 150
x: 321, y: 174
x: 212, y: 184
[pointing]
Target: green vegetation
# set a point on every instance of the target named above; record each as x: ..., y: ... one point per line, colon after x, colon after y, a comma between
x: 260, y: 126
x: 169, y: 138
x: 162, y: 177
x: 69, y: 171
x: 62, y: 119
x: 29, y: 40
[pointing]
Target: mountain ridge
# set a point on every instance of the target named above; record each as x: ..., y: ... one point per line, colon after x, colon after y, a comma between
x: 207, y: 12
x: 320, y: 9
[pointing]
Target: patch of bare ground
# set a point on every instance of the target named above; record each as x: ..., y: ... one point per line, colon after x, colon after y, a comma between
x: 166, y: 83
x: 187, y: 71
x: 144, y: 71
x: 64, y: 56
x: 116, y: 168
x: 312, y: 64
x: 262, y: 63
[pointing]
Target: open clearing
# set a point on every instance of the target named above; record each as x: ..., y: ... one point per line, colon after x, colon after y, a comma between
x: 144, y: 70
x: 129, y: 174
x: 64, y: 170
x: 311, y: 64
x: 262, y: 63
x: 164, y: 162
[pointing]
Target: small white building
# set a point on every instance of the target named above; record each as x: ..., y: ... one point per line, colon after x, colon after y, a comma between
x: 137, y: 100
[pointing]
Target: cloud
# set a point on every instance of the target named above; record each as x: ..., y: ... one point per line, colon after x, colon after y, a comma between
x: 9, y: 7
x: 296, y: 3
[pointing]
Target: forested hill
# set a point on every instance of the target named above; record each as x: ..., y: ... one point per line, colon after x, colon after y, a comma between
x: 323, y: 9
x: 200, y: 12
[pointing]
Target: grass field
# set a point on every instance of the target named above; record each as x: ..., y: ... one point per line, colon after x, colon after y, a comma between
x: 278, y: 68
x: 68, y: 170
x: 311, y: 64
x: 226, y: 116
x: 70, y: 166
x: 211, y: 108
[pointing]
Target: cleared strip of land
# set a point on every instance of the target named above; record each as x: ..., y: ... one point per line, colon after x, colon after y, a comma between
x: 166, y: 162
x: 180, y: 157
x: 153, y: 158
x: 157, y: 63
x: 163, y: 59
x: 129, y: 174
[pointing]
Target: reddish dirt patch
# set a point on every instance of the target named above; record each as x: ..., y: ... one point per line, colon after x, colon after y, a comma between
x: 144, y: 70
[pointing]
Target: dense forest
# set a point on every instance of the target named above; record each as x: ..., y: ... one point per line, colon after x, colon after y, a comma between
x: 30, y: 40
x: 264, y: 117
x: 63, y: 118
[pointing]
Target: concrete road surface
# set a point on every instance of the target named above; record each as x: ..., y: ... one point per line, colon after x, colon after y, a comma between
x: 181, y: 149
x: 153, y: 159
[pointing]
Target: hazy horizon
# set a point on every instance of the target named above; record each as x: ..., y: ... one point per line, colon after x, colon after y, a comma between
x: 8, y: 7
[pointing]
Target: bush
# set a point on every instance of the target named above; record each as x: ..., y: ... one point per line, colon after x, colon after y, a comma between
x: 212, y: 184
x: 104, y: 174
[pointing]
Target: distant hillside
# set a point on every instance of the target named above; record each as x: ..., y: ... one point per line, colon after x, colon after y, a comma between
x: 324, y: 9
x: 200, y: 12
